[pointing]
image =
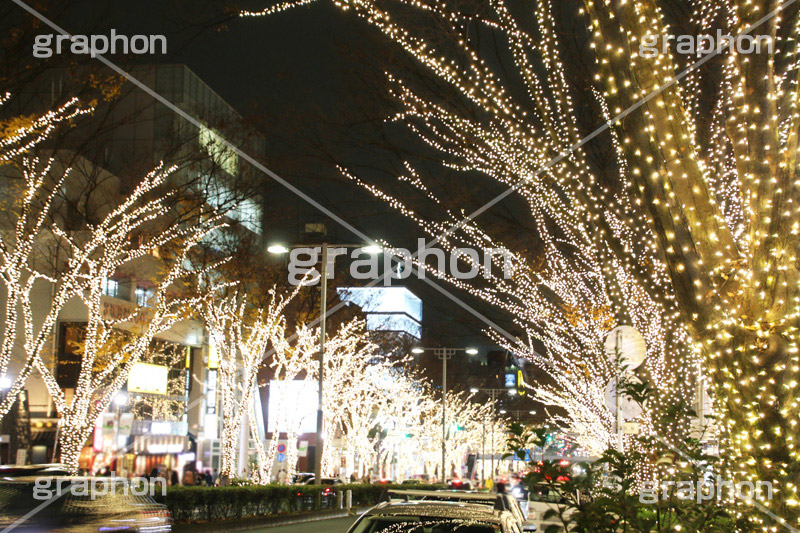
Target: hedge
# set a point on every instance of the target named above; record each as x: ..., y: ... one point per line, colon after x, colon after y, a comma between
x: 208, y: 504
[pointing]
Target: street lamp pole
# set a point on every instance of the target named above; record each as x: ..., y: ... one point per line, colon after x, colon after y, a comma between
x: 483, y: 451
x: 320, y: 415
x: 494, y: 408
x: 281, y: 249
x: 444, y: 354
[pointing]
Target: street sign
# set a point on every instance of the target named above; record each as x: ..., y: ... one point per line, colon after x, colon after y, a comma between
x: 302, y: 448
x: 107, y: 421
x: 629, y: 408
x: 630, y: 428
x: 281, y: 448
x: 630, y: 345
x: 281, y: 458
x: 125, y: 424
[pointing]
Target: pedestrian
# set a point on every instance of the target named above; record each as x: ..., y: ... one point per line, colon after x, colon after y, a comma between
x: 173, y: 478
x: 209, y: 480
x: 214, y: 478
x: 188, y: 477
x: 501, y: 488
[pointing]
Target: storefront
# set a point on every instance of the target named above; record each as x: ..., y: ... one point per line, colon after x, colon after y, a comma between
x: 163, y: 453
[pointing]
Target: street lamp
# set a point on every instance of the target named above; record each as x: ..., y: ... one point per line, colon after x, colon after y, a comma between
x: 444, y: 354
x: 277, y: 249
x: 323, y: 275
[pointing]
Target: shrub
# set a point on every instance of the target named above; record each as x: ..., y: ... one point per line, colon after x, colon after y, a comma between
x: 204, y: 504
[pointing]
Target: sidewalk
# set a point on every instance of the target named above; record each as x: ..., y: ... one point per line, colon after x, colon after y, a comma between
x: 248, y: 524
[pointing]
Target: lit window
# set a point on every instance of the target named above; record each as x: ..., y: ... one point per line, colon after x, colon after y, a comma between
x: 111, y: 288
x: 144, y: 297
x: 219, y: 151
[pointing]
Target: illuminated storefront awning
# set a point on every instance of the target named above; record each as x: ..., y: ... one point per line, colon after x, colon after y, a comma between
x: 161, y: 444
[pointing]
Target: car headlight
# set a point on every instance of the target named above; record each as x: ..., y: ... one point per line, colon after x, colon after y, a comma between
x: 516, y: 492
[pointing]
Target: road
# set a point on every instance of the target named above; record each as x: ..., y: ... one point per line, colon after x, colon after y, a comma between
x: 334, y: 525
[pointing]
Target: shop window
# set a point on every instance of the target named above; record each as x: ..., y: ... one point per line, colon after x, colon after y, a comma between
x: 111, y: 288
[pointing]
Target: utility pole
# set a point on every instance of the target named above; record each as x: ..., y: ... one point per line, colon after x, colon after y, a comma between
x: 444, y: 354
x: 323, y: 315
x: 281, y: 249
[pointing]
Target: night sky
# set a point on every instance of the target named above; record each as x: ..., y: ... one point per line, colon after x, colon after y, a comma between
x: 287, y: 74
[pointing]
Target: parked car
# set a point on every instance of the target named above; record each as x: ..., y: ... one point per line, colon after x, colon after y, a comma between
x: 411, y: 482
x: 78, y: 503
x: 439, y: 516
x: 301, y: 478
x: 541, y: 498
x: 49, y: 469
x: 328, y: 493
x: 489, y: 499
x: 325, y: 481
x: 459, y: 484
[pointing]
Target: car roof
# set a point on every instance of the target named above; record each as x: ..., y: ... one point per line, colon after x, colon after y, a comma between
x: 465, y: 496
x: 438, y: 509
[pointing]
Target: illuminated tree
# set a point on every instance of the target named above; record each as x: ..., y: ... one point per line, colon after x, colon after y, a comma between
x: 127, y: 234
x: 172, y: 405
x: 27, y: 214
x: 374, y: 407
x: 350, y: 394
x: 692, y: 235
x: 580, y: 285
x: 241, y: 335
x: 106, y: 359
x: 293, y: 360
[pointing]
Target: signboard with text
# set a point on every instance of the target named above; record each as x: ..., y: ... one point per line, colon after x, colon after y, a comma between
x: 147, y: 378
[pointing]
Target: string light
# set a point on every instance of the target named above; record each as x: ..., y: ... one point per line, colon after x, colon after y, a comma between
x: 88, y: 258
x: 695, y: 243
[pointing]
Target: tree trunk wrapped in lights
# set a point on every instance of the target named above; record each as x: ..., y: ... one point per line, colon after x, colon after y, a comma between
x: 19, y: 245
x: 107, y: 356
x: 127, y: 233
x: 241, y: 335
x: 692, y: 237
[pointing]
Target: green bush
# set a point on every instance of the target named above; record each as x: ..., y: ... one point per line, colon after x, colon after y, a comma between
x: 205, y: 504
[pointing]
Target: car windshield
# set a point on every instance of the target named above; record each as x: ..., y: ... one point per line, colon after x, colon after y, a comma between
x: 422, y: 524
